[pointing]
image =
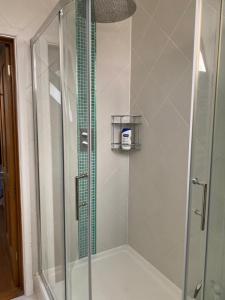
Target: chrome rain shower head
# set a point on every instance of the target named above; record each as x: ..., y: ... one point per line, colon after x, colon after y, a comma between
x: 110, y: 11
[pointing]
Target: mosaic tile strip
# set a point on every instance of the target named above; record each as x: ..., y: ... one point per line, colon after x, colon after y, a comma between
x: 82, y: 119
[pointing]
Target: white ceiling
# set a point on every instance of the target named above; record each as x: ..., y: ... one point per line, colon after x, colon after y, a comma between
x: 23, y: 17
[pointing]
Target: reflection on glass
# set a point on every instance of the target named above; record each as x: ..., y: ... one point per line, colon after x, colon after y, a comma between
x: 50, y: 157
x: 74, y: 159
x: 201, y: 143
x: 215, y: 267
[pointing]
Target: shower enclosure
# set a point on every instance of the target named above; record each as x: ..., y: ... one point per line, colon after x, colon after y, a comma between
x: 205, y: 241
x: 111, y: 207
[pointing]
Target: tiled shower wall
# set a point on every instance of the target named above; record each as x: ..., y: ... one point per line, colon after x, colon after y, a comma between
x: 162, y: 47
x: 150, y: 63
x: 113, y: 97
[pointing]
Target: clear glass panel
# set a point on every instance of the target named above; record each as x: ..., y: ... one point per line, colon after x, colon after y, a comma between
x: 75, y: 164
x: 201, y: 143
x: 50, y: 158
x: 215, y: 266
x: 140, y: 203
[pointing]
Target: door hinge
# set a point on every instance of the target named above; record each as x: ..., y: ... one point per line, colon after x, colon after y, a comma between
x: 9, y: 70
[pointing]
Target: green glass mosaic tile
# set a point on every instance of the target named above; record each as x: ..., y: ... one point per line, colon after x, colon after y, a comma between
x: 82, y: 119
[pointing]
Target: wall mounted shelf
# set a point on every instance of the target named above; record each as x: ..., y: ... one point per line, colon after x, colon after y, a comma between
x: 121, y: 122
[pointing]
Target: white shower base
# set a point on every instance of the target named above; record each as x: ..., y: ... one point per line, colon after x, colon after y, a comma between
x: 122, y: 274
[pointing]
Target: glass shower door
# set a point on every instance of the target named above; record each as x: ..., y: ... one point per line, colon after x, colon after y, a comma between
x: 48, y: 104
x: 62, y: 123
x: 73, y: 30
x: 206, y: 57
x: 215, y: 263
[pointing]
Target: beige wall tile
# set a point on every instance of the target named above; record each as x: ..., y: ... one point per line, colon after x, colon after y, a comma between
x: 161, y: 92
x: 169, y: 12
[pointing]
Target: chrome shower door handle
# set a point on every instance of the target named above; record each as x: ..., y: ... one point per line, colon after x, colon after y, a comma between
x: 78, y: 205
x: 202, y: 213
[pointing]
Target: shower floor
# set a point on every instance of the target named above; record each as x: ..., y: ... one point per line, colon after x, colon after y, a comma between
x: 122, y: 274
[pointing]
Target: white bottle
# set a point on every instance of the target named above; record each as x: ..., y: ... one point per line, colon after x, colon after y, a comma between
x: 126, y: 138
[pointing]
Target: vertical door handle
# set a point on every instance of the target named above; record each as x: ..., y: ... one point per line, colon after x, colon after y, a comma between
x: 78, y: 205
x: 202, y: 213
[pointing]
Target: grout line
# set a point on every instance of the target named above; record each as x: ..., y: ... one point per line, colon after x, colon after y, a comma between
x: 169, y: 39
x: 167, y: 98
x: 169, y: 36
x: 177, y: 25
x: 150, y: 71
x: 147, y: 12
x: 179, y: 114
x: 181, y: 17
x: 157, y: 7
x: 170, y: 91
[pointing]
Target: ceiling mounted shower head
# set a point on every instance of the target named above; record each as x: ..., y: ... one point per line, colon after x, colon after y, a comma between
x: 110, y: 11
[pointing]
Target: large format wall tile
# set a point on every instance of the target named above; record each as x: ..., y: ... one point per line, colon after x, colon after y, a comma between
x: 169, y: 12
x: 149, y: 6
x: 154, y: 39
x: 183, y: 34
x: 113, y: 97
x: 161, y: 91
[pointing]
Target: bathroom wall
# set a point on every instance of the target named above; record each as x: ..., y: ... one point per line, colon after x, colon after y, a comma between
x: 21, y: 22
x: 162, y: 47
x: 113, y: 97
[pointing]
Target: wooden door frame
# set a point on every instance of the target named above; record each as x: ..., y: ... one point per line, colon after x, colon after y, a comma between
x: 10, y: 43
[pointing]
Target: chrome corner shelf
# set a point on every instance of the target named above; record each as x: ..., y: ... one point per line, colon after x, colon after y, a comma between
x: 119, y: 122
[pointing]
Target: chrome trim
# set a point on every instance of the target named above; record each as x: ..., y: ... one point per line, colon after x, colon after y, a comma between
x: 197, y: 40
x: 63, y: 115
x: 89, y: 100
x: 47, y: 286
x: 51, y: 16
x: 202, y: 213
x: 78, y: 205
